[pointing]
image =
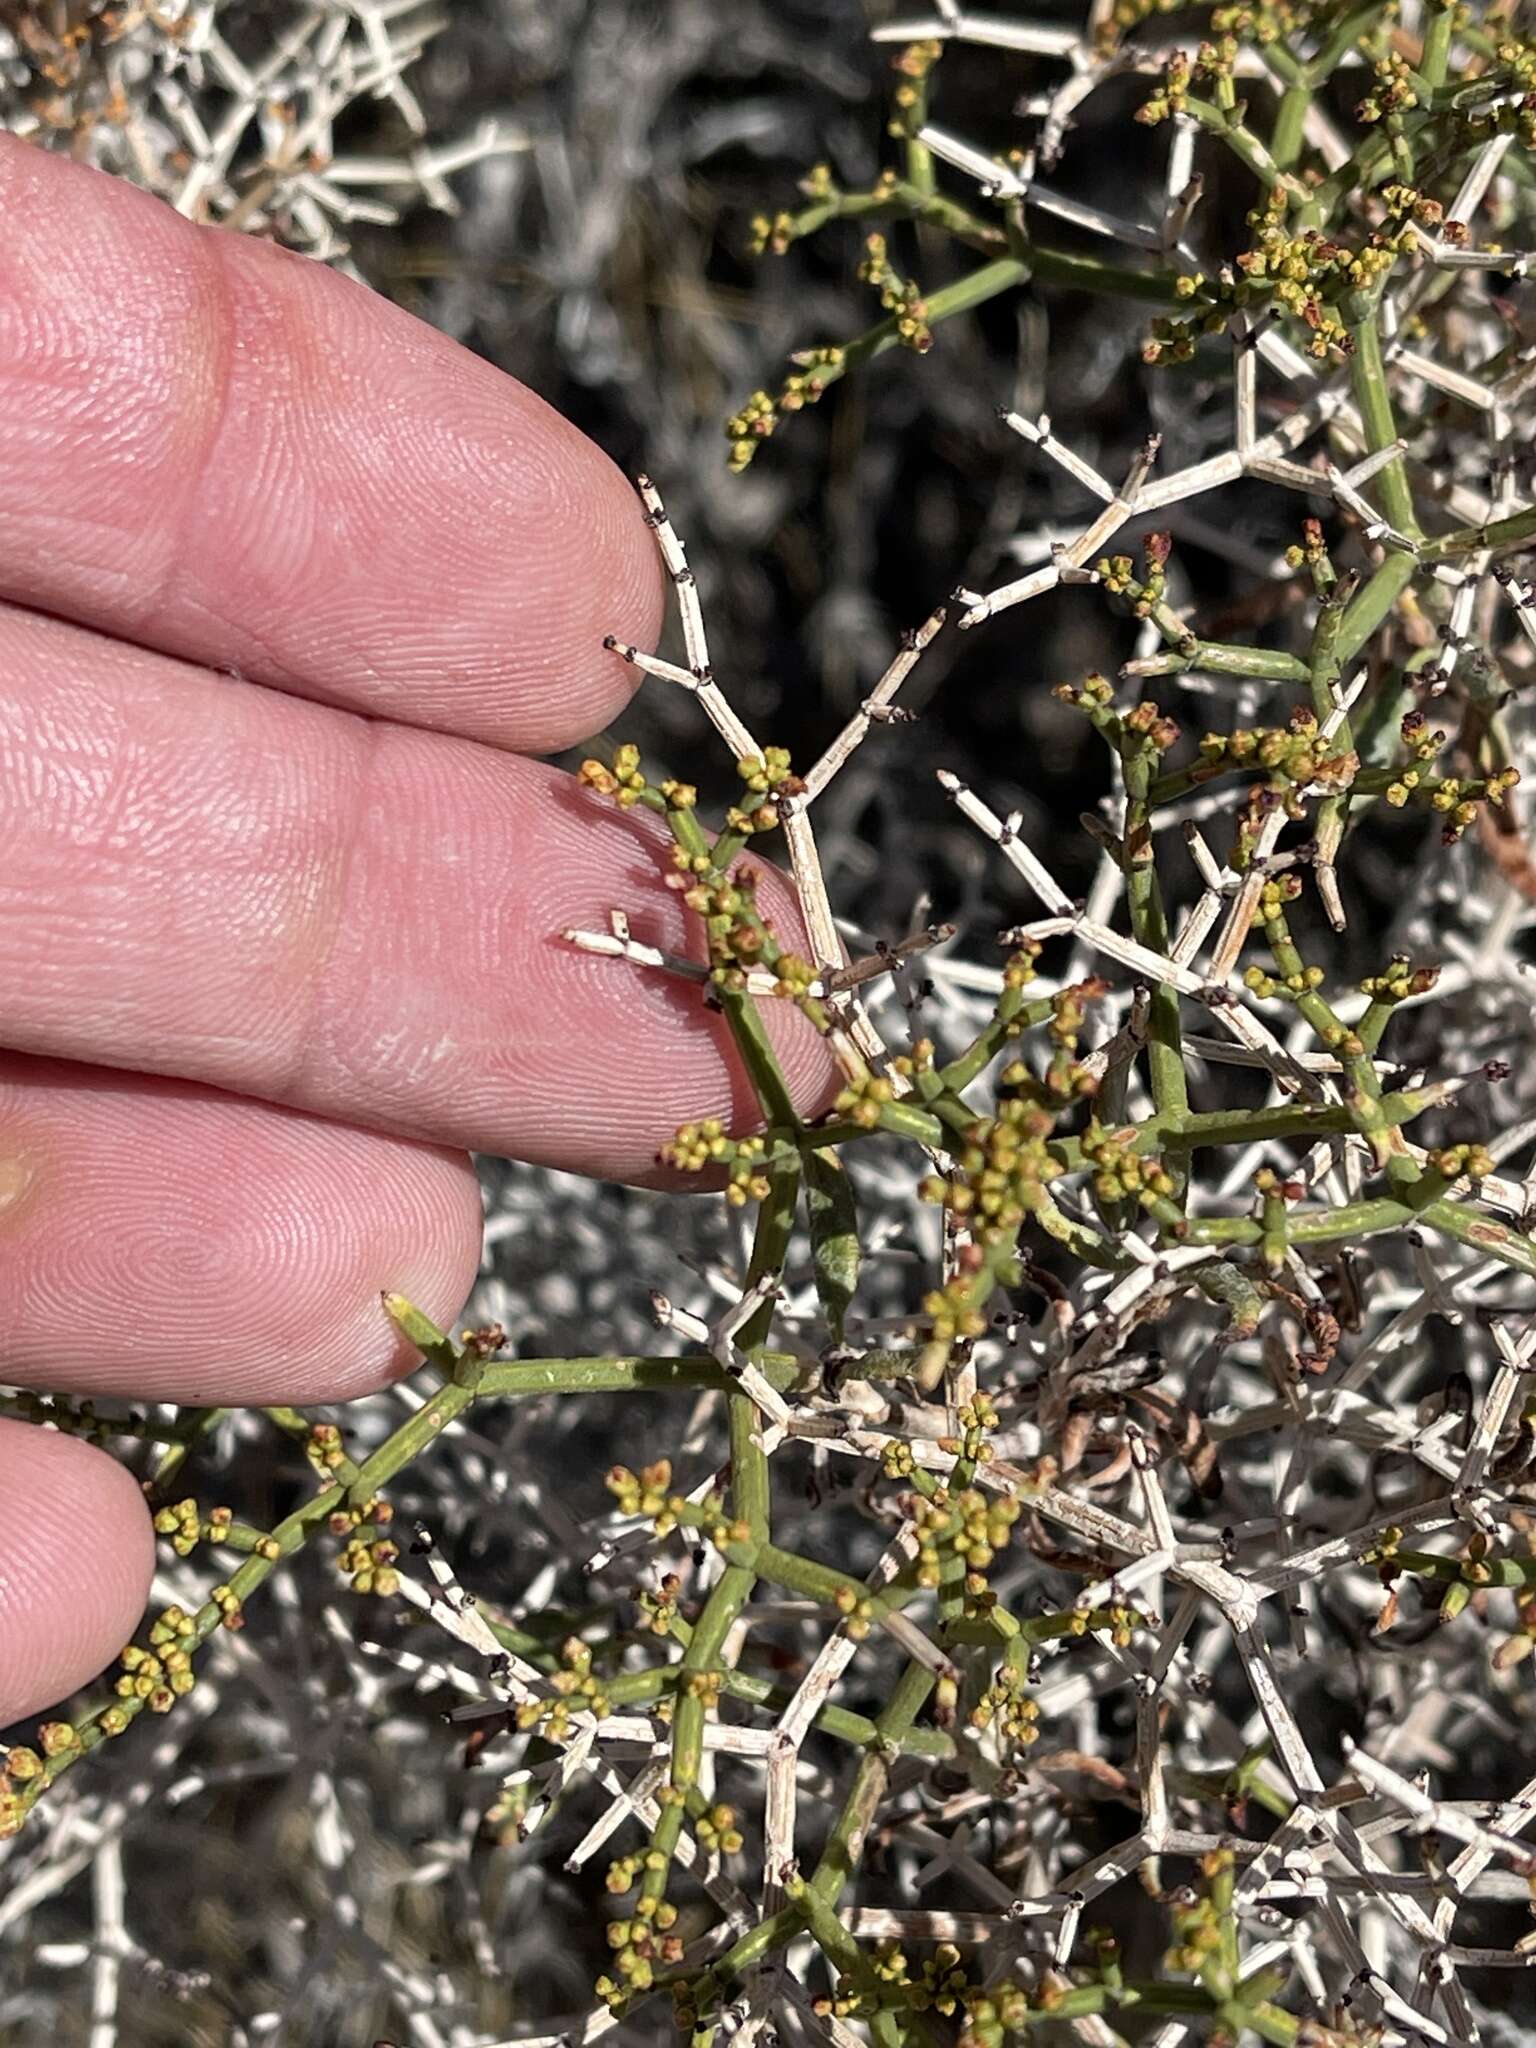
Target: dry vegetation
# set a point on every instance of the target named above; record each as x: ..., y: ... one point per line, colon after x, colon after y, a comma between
x: 1073, y: 1565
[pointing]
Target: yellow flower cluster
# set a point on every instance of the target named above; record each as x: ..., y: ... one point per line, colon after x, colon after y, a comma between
x: 898, y: 295
x: 1006, y: 1704
x: 371, y: 1567
x: 576, y: 1690
x: 749, y: 427
x: 624, y: 781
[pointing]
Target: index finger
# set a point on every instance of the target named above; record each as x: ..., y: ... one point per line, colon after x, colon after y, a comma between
x: 221, y: 450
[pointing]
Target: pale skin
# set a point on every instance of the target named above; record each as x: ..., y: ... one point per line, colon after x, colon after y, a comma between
x: 291, y: 590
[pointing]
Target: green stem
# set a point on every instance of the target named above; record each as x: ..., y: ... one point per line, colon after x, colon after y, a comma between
x: 1303, y: 1121
x: 78, y: 1418
x: 197, y: 1425
x: 730, y: 1593
x: 290, y: 1535
x: 1366, y: 612
x: 638, y: 1688
x: 1510, y: 1572
x: 974, y: 289
x: 1333, y: 811
x: 1439, y: 33
x: 1453, y: 1219
x: 1013, y: 1015
x: 522, y: 1379
x: 1090, y: 273
x: 407, y: 1443
x: 1343, y: 39
x: 906, y: 1120
x: 846, y: 1842
x: 1512, y: 532
x: 842, y: 1951
x: 906, y: 199
x: 1256, y: 664
x: 1482, y: 1233
x: 1290, y: 124
x: 1239, y: 138
x: 1368, y: 378
x: 1149, y: 924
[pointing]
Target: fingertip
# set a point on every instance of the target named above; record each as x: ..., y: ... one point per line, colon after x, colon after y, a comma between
x: 434, y: 543
x: 436, y: 1274
x: 168, y: 1242
x: 77, y: 1553
x: 281, y: 472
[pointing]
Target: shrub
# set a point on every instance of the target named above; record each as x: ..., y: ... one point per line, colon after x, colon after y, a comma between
x: 1105, y: 1498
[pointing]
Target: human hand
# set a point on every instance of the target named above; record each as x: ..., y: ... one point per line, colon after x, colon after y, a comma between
x: 290, y: 588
